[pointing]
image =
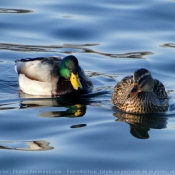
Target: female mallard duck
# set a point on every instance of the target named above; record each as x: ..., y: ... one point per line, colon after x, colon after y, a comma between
x: 52, y: 76
x: 140, y: 94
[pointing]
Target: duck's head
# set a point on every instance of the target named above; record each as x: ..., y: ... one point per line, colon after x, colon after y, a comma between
x: 69, y: 70
x: 143, y: 82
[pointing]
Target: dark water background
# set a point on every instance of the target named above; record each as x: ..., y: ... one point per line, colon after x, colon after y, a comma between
x: 111, y: 39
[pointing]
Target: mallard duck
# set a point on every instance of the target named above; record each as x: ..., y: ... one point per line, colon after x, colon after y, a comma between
x: 140, y: 94
x: 52, y: 76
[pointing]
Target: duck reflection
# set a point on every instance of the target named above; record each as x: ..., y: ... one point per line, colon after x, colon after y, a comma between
x: 76, y: 110
x: 39, y: 145
x: 67, y: 107
x: 141, y: 124
x: 76, y: 107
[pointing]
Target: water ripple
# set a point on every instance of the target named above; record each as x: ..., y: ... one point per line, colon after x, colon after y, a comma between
x: 70, y: 49
x: 171, y: 45
x: 40, y: 145
x: 5, y: 10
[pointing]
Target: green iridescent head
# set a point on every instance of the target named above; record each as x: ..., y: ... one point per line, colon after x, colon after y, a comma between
x: 69, y: 70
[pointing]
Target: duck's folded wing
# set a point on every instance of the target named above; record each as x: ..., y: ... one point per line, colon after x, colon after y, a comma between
x: 159, y: 90
x: 122, y: 90
x: 35, y: 69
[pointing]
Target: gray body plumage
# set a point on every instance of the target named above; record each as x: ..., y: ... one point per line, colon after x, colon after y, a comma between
x: 40, y: 76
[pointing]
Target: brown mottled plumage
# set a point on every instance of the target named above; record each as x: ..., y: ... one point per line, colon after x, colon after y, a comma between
x: 140, y: 94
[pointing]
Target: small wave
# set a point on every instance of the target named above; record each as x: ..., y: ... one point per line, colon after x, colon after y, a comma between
x: 171, y: 45
x: 40, y: 145
x: 71, y: 49
x: 5, y: 10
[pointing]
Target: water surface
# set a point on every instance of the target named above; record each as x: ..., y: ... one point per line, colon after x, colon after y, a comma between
x: 111, y: 39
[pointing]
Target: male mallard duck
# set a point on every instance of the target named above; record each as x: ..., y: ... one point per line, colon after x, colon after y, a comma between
x: 52, y: 76
x: 140, y: 94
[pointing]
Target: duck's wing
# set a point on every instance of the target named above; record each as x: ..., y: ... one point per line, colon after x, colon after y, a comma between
x: 40, y: 69
x: 159, y: 90
x: 38, y: 76
x: 122, y: 90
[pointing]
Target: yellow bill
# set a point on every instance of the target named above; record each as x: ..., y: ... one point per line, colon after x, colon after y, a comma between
x: 75, y: 81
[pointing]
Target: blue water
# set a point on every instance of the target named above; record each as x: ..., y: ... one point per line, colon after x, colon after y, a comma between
x: 111, y: 39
